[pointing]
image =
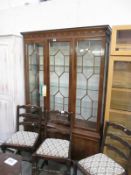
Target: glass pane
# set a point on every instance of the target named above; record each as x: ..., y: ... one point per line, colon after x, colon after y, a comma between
x: 59, y: 75
x: 35, y: 56
x: 123, y: 40
x: 89, y: 55
x: 122, y: 74
x: 121, y: 91
x: 123, y: 37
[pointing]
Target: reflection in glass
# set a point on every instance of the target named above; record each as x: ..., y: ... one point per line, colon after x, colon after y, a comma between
x: 121, y: 87
x: 89, y: 55
x: 123, y: 37
x: 123, y: 40
x: 122, y: 74
x: 35, y: 55
x: 59, y: 75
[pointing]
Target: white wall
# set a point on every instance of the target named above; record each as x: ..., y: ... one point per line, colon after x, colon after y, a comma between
x: 11, y: 83
x: 61, y: 14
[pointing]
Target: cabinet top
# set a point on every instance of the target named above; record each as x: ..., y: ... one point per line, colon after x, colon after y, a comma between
x: 70, y: 32
x: 121, y: 27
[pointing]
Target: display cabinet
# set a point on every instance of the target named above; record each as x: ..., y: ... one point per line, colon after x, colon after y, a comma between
x: 66, y: 69
x: 118, y: 104
x: 118, y: 99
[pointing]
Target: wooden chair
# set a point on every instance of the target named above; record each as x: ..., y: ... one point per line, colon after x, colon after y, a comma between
x: 57, y: 140
x: 28, y: 126
x: 114, y: 143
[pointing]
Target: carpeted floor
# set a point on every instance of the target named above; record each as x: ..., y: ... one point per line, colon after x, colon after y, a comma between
x: 53, y: 167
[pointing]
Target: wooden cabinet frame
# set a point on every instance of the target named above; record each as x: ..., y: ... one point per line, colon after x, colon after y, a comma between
x: 118, y: 103
x: 89, y: 131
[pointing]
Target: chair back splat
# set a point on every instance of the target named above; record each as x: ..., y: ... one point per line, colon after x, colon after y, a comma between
x: 29, y: 116
x: 116, y: 142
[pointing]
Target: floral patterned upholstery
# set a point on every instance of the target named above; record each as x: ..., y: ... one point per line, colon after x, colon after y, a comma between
x: 100, y: 164
x: 54, y: 147
x: 23, y: 138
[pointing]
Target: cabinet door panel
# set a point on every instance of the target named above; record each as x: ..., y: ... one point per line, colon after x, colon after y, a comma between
x: 59, y: 75
x: 84, y: 146
x: 35, y: 58
x: 89, y: 55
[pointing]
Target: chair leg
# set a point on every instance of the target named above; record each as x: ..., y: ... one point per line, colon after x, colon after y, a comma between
x: 68, y: 165
x: 74, y: 168
x: 45, y: 162
x: 3, y: 148
x: 34, y: 166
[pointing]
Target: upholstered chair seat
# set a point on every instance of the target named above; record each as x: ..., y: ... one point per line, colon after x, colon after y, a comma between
x: 54, y: 147
x: 100, y: 164
x: 23, y: 138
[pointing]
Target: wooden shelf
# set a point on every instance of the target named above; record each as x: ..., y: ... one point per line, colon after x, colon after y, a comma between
x: 119, y: 116
x: 121, y: 89
x: 123, y: 46
x: 120, y: 99
x: 121, y: 112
